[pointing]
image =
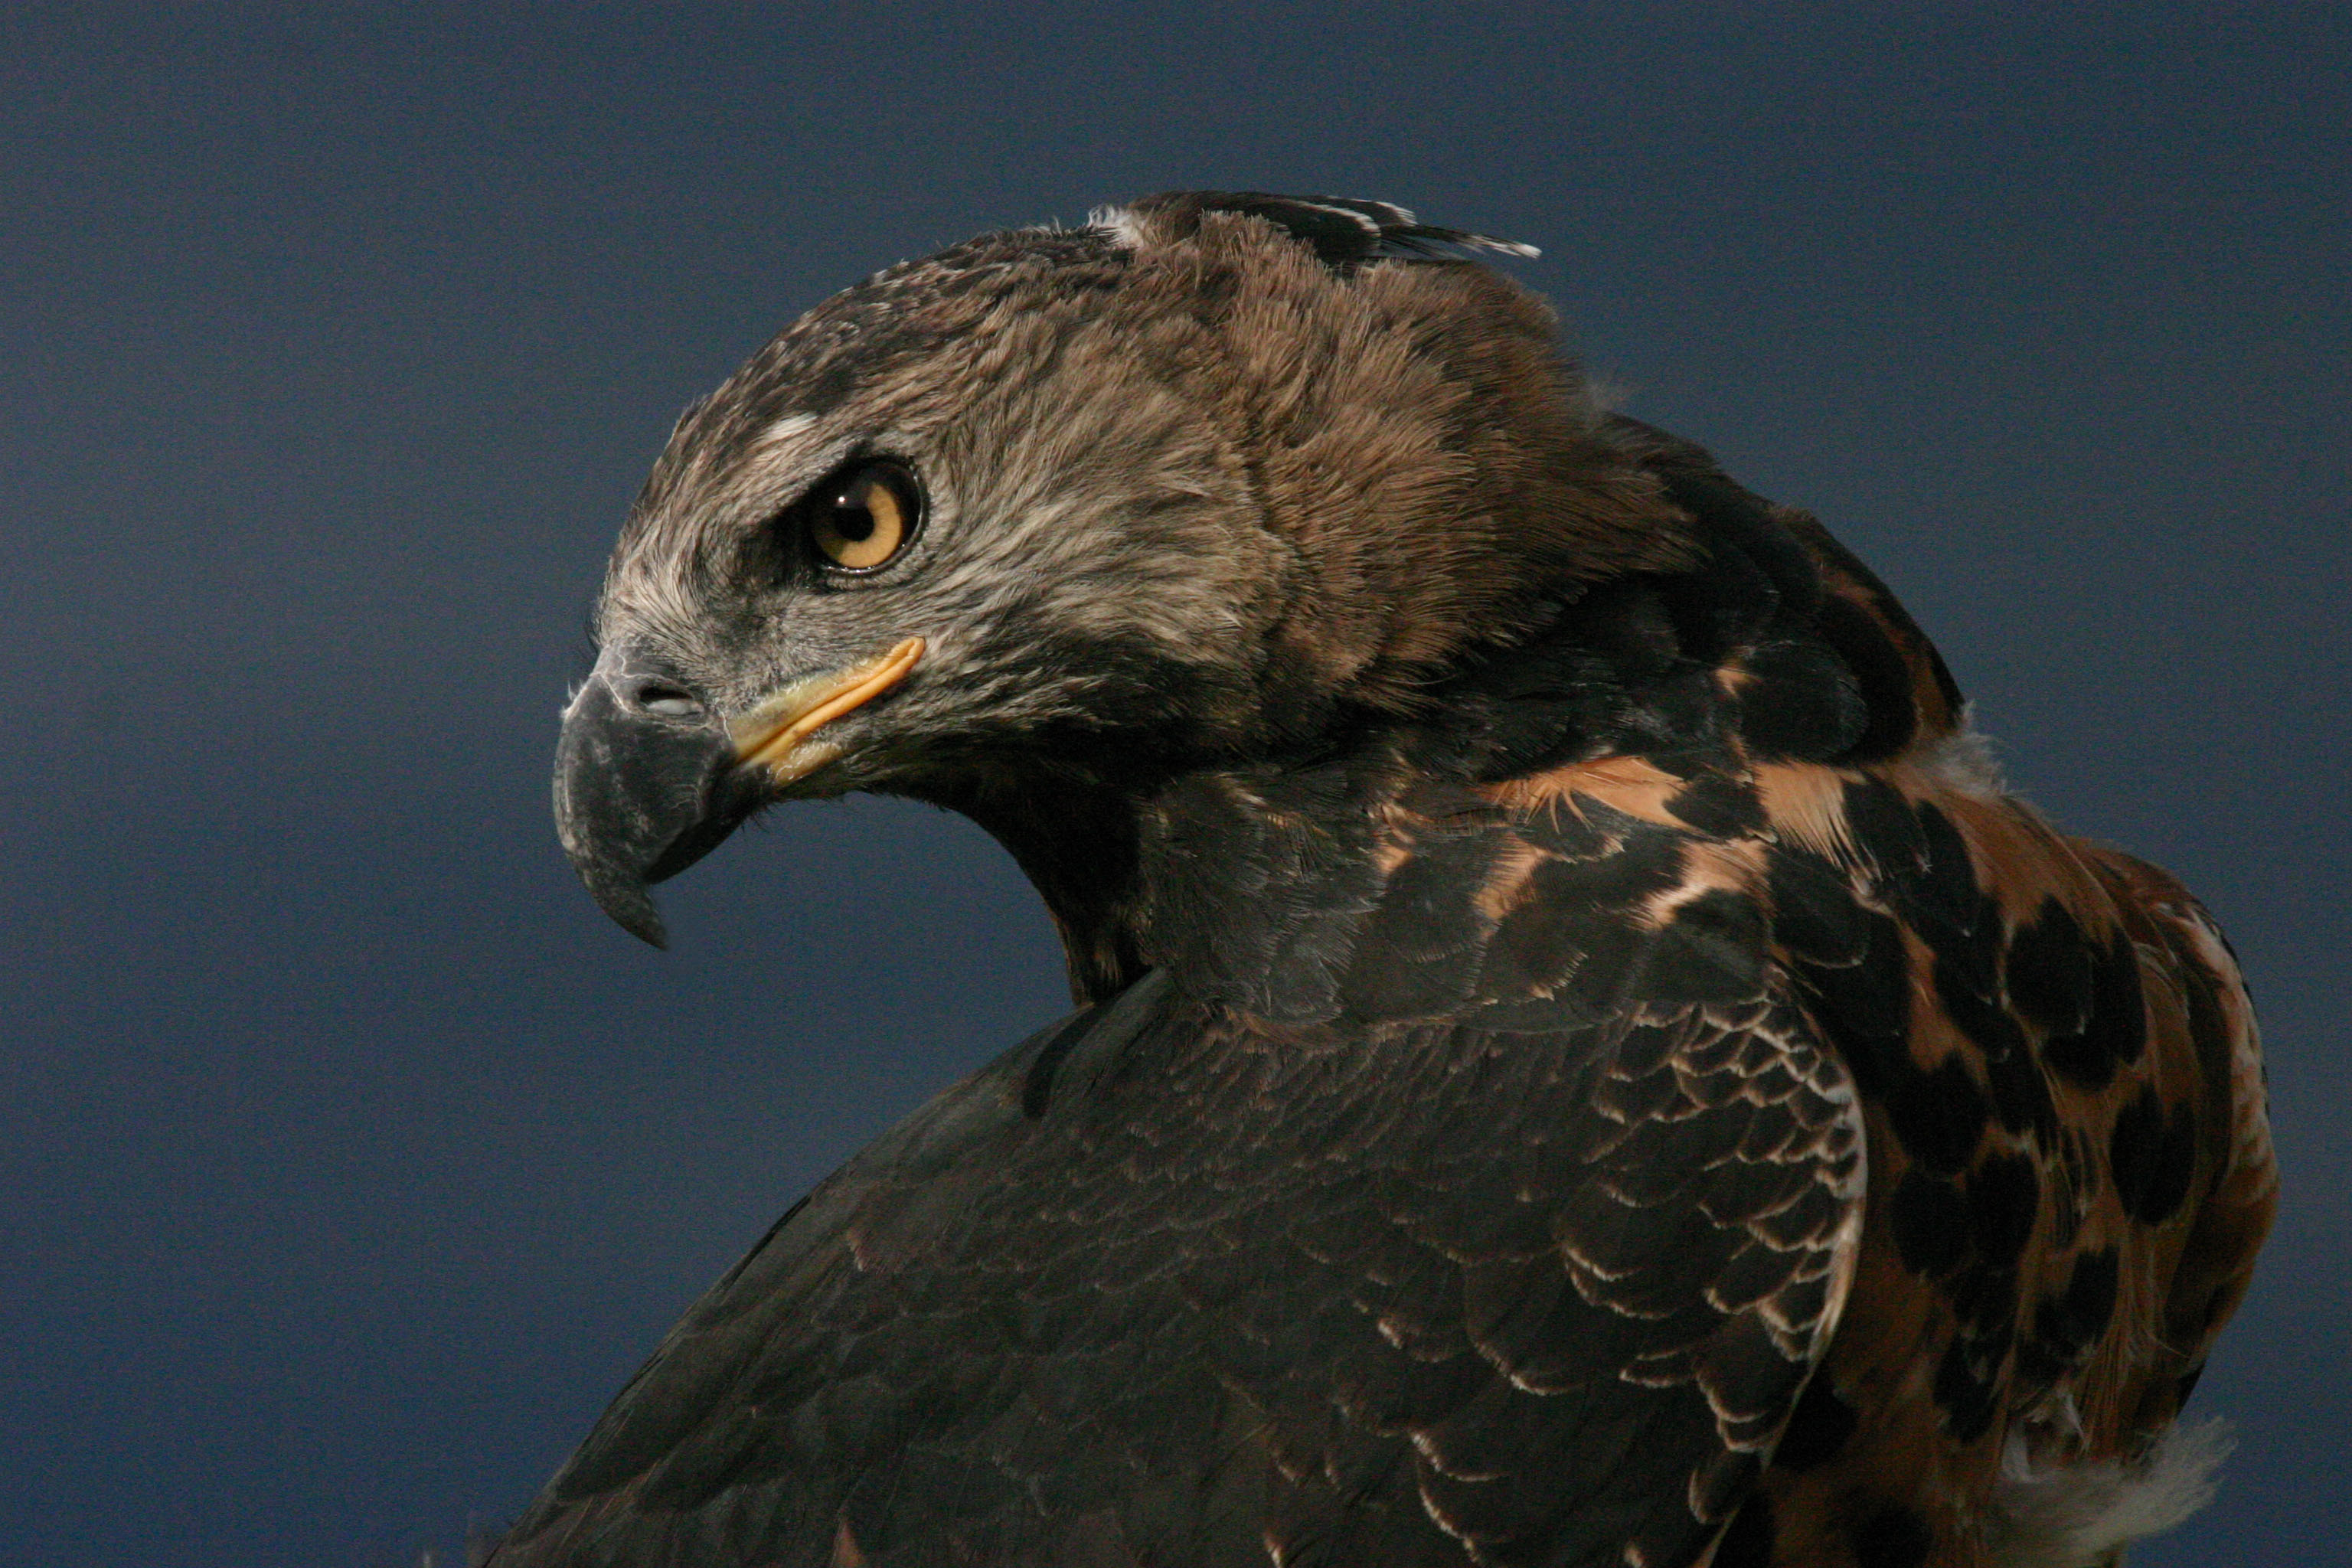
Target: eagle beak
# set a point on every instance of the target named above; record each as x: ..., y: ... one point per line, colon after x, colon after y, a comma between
x: 647, y: 782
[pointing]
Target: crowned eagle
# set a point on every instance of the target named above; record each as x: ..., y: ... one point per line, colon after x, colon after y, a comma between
x: 1578, y: 1059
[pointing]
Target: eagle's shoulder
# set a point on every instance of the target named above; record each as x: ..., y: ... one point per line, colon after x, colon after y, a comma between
x: 1536, y: 1265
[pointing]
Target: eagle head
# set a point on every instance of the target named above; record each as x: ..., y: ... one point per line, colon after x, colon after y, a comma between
x: 1060, y: 514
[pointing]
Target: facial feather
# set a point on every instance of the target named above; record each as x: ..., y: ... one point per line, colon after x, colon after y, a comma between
x: 1294, y: 491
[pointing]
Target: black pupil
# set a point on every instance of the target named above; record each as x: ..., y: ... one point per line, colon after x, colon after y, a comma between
x: 852, y: 518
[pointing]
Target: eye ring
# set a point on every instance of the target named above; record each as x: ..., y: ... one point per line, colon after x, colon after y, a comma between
x: 862, y: 518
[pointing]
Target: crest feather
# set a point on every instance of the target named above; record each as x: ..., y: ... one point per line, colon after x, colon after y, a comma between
x: 1344, y: 232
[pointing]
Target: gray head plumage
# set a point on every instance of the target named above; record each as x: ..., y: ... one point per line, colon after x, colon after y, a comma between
x: 1195, y: 480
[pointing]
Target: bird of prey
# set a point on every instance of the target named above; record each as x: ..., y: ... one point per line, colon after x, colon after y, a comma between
x: 1578, y: 1060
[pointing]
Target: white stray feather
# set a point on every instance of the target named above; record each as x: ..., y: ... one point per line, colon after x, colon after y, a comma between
x: 2078, y: 1515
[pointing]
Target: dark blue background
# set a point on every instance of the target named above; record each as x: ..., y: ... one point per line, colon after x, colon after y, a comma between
x: 352, y: 1160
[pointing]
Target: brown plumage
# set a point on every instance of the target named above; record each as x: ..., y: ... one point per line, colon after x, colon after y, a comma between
x: 1579, y: 1060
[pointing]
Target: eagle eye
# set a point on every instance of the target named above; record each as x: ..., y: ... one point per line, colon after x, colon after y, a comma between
x: 860, y: 519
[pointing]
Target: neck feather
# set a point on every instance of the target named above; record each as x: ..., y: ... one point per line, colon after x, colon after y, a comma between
x: 1250, y: 879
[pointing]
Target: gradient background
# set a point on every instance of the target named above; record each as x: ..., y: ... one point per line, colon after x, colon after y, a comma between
x: 352, y: 1161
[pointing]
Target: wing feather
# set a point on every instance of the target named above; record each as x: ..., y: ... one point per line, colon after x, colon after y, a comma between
x: 1159, y: 1282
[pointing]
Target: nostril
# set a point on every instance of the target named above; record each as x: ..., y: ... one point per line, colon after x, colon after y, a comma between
x: 668, y: 700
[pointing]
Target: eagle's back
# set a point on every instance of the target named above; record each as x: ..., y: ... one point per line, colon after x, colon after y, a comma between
x: 1416, y: 1268
x: 1660, y: 1104
x: 1169, y: 1285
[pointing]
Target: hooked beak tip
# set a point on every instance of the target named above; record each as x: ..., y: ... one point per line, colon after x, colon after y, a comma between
x: 634, y: 911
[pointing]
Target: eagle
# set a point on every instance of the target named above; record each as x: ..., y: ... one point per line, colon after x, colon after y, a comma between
x: 1579, y: 1059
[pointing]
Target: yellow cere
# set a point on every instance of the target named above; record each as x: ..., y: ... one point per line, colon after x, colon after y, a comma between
x: 776, y: 734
